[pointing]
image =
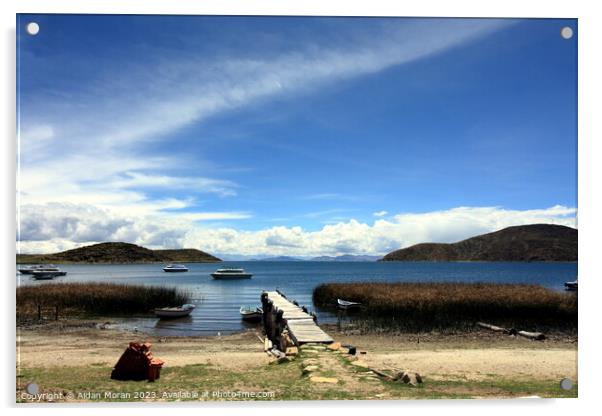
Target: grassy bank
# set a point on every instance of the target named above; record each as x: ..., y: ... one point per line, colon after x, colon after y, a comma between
x: 426, y: 306
x: 281, y: 382
x: 93, y: 298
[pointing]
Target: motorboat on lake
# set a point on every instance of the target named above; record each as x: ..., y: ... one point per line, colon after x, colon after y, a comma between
x: 230, y: 273
x: 47, y: 273
x: 174, y: 312
x: 571, y: 286
x: 345, y: 304
x: 251, y: 313
x: 175, y: 268
x: 33, y: 268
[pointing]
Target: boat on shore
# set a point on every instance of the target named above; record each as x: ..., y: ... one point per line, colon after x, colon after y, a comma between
x: 230, y: 273
x: 345, y: 304
x: 571, y: 286
x: 175, y: 268
x: 174, y: 312
x: 251, y: 313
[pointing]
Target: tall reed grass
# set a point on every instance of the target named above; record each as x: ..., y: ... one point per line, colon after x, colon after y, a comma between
x: 95, y: 298
x: 425, y: 306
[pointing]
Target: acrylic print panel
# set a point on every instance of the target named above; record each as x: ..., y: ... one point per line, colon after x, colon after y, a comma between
x: 282, y: 208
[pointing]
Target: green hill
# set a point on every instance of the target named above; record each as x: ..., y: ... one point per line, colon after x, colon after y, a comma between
x: 537, y: 242
x: 119, y: 253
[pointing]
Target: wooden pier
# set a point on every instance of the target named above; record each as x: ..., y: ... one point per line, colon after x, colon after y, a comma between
x: 284, y: 319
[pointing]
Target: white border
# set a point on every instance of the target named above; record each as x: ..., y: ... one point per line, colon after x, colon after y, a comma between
x: 590, y: 135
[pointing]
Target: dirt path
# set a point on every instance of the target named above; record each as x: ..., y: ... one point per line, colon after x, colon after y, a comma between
x: 436, y: 357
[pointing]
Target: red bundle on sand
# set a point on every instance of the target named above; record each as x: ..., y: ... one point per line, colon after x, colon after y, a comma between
x: 137, y: 363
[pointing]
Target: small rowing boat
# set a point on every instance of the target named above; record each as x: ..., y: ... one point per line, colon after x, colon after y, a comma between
x: 175, y: 312
x: 345, y: 304
x: 251, y: 313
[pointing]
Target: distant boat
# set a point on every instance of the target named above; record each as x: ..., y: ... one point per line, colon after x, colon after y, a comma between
x: 175, y: 312
x: 571, y: 286
x: 47, y: 273
x: 31, y: 269
x: 175, y: 268
x: 345, y: 304
x: 251, y: 313
x: 224, y: 274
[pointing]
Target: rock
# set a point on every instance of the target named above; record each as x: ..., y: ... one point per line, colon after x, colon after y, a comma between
x: 292, y: 351
x: 359, y: 363
x: 408, y: 377
x: 310, y: 369
x: 284, y: 359
x: 317, y: 379
x: 334, y: 346
x: 310, y: 361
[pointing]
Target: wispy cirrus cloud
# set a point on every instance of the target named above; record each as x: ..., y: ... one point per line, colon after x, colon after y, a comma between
x: 91, y: 145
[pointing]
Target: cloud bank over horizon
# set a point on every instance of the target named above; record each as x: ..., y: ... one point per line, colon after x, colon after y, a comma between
x: 57, y: 227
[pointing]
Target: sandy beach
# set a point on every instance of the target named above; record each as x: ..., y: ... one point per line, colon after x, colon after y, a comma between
x: 472, y: 364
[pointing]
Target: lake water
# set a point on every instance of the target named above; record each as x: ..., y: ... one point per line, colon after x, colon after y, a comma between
x: 218, y: 301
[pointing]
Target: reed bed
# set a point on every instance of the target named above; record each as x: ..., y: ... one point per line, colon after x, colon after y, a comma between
x: 427, y: 306
x: 95, y: 298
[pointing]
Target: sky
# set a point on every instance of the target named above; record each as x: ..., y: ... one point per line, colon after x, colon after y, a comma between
x: 300, y: 136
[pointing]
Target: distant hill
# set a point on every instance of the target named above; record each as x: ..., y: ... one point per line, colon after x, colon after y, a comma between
x: 186, y: 255
x: 537, y: 242
x: 346, y: 257
x: 279, y: 258
x: 118, y: 253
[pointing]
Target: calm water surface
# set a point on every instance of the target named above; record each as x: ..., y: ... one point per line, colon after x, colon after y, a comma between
x: 217, y: 301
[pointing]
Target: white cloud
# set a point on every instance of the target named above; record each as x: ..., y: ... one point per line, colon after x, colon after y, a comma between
x: 60, y: 226
x: 380, y: 213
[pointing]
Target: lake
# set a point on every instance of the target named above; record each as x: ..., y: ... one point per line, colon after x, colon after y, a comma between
x: 218, y: 301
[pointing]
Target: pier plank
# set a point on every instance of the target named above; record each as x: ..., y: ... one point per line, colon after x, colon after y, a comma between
x: 301, y: 325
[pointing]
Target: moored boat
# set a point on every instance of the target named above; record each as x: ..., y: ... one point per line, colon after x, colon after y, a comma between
x: 345, y: 304
x: 33, y: 268
x: 47, y: 273
x: 251, y: 313
x: 571, y: 286
x: 174, y: 312
x: 175, y: 268
x: 230, y: 273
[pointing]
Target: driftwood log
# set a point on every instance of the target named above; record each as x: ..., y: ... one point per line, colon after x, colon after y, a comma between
x: 494, y: 328
x: 531, y: 335
x: 538, y: 336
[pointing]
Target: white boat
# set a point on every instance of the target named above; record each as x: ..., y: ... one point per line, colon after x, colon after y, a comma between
x: 251, y: 313
x: 230, y: 273
x: 175, y: 312
x: 174, y: 268
x: 571, y: 286
x: 345, y: 304
x: 33, y: 268
x: 47, y: 273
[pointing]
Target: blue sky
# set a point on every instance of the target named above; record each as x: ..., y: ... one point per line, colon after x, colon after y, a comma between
x: 283, y: 135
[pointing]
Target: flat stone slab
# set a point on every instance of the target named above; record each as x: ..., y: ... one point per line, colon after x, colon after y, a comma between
x: 317, y: 379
